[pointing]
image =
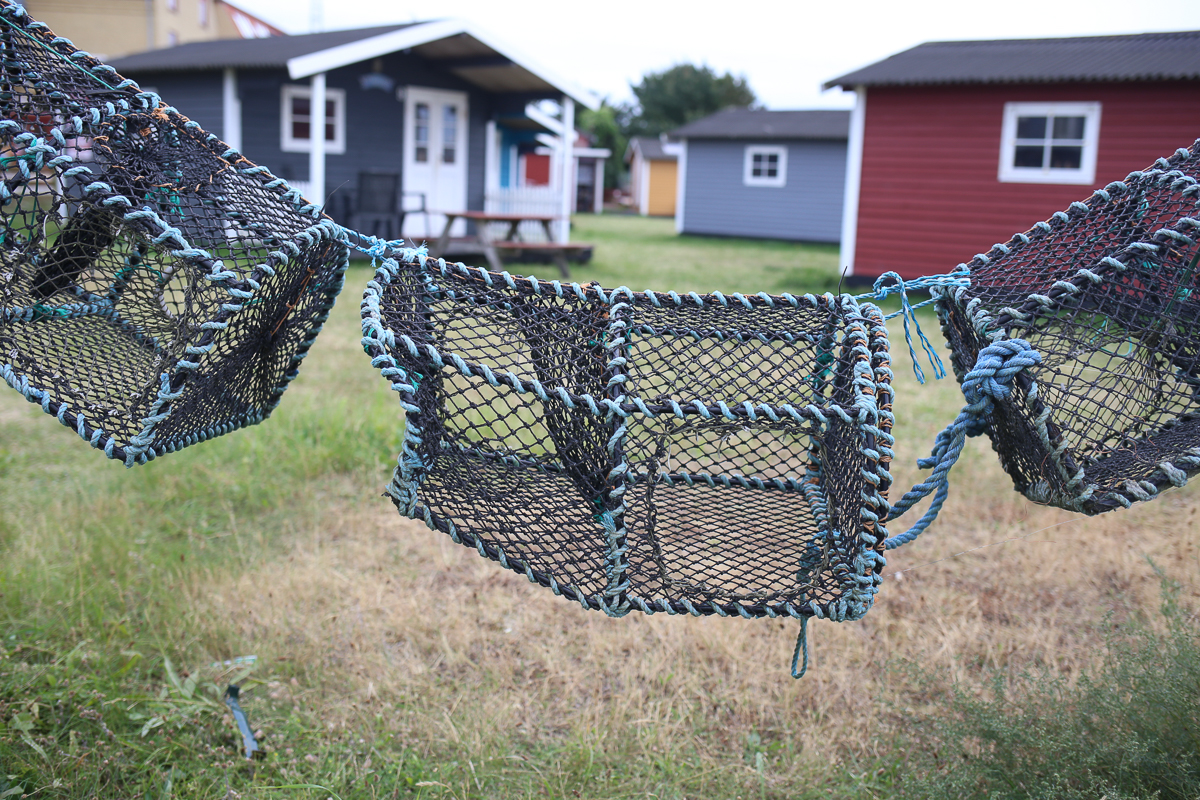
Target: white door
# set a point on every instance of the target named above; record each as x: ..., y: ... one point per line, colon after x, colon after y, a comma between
x: 435, y: 159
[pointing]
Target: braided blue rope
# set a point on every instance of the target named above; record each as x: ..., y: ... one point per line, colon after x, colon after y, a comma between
x: 801, y: 650
x: 991, y: 379
x: 380, y: 249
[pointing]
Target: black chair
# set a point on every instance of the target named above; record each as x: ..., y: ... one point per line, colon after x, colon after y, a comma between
x: 415, y: 207
x: 380, y: 206
x: 377, y: 209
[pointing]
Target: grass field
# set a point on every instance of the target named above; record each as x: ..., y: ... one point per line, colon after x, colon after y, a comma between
x: 394, y: 663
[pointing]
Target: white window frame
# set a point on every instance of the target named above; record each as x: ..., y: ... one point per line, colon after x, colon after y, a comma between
x: 749, y: 179
x: 290, y: 144
x: 1085, y: 174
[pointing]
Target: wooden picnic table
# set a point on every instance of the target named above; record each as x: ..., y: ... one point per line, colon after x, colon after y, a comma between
x: 483, y: 241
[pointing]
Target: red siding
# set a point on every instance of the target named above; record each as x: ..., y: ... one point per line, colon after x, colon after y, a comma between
x: 930, y: 198
x: 537, y: 170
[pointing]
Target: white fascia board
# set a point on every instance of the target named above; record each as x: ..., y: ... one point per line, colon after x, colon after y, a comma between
x: 542, y: 118
x: 376, y: 46
x: 373, y: 47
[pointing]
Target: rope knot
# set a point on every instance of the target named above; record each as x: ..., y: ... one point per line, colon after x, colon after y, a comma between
x: 994, y: 371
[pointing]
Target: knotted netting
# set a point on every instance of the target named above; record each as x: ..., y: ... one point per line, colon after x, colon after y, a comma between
x: 638, y: 450
x: 156, y: 288
x: 1107, y: 295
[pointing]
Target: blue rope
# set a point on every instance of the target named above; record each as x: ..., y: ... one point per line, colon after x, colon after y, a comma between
x: 801, y: 649
x: 907, y: 312
x: 380, y: 249
x: 990, y: 380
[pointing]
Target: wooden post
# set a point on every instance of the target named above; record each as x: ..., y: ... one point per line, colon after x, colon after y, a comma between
x: 231, y: 108
x: 568, y: 169
x: 316, y: 155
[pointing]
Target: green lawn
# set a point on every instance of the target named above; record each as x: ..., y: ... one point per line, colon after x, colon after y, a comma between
x: 646, y: 253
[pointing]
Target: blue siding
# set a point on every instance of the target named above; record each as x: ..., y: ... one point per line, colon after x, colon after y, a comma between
x: 196, y: 94
x: 808, y: 209
x: 374, y: 121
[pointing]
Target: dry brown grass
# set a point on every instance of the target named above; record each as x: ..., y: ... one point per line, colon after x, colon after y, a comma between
x: 387, y: 617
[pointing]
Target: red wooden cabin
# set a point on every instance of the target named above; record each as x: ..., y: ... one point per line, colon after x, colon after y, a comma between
x: 955, y: 146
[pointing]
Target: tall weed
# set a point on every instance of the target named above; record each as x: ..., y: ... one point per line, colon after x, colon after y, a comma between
x: 1127, y: 730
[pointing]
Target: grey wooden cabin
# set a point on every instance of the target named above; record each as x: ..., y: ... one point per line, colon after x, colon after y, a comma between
x: 414, y: 114
x: 763, y: 174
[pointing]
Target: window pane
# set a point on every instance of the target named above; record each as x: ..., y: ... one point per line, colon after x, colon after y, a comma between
x: 1028, y: 156
x: 1031, y: 127
x: 330, y: 132
x: 421, y: 131
x: 301, y: 107
x: 449, y: 133
x: 300, y: 129
x: 1066, y: 157
x: 1068, y: 127
x: 773, y: 165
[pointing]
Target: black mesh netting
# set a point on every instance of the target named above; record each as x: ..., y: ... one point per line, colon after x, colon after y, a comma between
x: 156, y: 288
x: 696, y: 454
x: 1108, y: 293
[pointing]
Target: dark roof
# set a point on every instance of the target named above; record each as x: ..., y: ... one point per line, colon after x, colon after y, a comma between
x: 1139, y: 57
x: 275, y: 51
x: 745, y: 123
x: 651, y: 148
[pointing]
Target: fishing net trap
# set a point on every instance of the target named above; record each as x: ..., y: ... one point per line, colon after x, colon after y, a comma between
x: 156, y: 288
x: 645, y: 451
x: 1107, y: 295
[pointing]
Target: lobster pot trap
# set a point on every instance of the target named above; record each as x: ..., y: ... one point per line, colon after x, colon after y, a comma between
x: 1108, y: 294
x: 156, y: 288
x: 643, y: 451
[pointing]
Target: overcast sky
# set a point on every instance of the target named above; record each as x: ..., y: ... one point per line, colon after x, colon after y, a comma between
x: 785, y: 48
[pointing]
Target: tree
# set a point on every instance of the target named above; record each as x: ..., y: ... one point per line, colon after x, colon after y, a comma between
x: 606, y: 125
x: 685, y: 92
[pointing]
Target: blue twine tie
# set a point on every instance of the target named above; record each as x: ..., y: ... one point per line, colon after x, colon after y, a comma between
x: 907, y: 312
x: 380, y: 249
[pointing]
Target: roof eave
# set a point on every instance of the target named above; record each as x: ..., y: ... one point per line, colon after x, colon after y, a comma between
x: 1021, y: 79
x: 373, y: 47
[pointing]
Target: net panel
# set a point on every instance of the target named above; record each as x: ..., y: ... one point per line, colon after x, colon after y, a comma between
x: 156, y: 288
x: 1106, y: 292
x: 686, y: 454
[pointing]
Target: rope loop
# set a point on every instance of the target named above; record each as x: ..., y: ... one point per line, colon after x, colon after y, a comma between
x: 800, y: 654
x: 990, y: 380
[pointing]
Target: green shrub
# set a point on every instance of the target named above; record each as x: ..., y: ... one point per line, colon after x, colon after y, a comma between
x: 1131, y: 729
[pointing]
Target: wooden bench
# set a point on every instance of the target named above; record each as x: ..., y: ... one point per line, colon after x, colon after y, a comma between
x: 558, y: 253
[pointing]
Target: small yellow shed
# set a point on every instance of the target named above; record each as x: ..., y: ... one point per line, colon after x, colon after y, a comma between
x: 654, y: 174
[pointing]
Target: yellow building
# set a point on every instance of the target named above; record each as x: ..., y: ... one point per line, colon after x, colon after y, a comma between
x: 653, y: 175
x: 110, y: 29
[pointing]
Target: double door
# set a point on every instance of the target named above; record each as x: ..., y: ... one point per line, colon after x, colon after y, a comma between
x: 435, y: 160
